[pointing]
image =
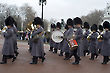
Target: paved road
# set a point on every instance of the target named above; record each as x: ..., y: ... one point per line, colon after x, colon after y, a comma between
x: 53, y: 63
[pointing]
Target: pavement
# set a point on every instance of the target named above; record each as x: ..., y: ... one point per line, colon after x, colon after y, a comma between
x: 52, y: 64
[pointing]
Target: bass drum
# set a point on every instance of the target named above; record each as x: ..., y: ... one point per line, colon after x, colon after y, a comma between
x: 56, y: 36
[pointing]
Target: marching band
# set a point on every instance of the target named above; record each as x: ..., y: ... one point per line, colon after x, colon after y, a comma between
x: 74, y: 41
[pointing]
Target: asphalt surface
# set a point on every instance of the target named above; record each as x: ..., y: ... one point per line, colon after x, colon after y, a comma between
x: 52, y: 64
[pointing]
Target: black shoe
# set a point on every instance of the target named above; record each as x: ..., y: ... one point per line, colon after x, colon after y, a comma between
x: 66, y: 58
x: 104, y: 63
x: 108, y: 60
x: 33, y: 63
x: 3, y: 63
x: 91, y: 59
x: 50, y: 50
x: 43, y: 59
x: 14, y: 58
x: 60, y: 54
x: 75, y: 63
x: 55, y: 52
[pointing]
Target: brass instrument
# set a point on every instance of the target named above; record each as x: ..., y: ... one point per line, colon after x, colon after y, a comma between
x: 100, y: 38
x: 4, y: 29
x: 30, y: 27
x: 88, y: 37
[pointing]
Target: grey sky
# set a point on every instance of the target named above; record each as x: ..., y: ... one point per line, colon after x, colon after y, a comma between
x: 59, y: 9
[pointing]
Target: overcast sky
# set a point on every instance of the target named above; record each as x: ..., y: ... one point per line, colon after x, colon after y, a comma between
x: 62, y: 9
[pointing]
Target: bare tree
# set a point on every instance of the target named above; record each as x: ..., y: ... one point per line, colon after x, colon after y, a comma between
x: 94, y: 17
x: 53, y: 20
x: 46, y: 25
x: 28, y: 14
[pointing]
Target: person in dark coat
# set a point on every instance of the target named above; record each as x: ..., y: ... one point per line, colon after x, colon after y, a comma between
x: 85, y: 43
x: 51, y: 41
x: 65, y: 46
x: 99, y: 45
x: 93, y: 42
x: 15, y: 38
x: 105, y: 51
x: 8, y: 47
x: 57, y: 45
x: 68, y: 34
x: 37, y: 42
x: 78, y: 37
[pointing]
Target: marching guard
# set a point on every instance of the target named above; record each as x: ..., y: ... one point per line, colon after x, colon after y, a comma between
x: 57, y: 45
x: 99, y: 45
x: 37, y: 42
x: 85, y: 43
x: 78, y: 37
x: 15, y: 38
x: 8, y: 47
x: 105, y: 51
x: 93, y: 42
x: 68, y: 34
x: 51, y: 41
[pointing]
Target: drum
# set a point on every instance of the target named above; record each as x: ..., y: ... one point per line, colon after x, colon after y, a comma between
x: 73, y: 44
x: 56, y: 36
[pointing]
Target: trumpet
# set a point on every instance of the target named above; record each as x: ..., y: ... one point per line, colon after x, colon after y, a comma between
x: 88, y: 37
x: 4, y: 29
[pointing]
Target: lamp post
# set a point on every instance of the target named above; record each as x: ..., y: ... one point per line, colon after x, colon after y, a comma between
x: 42, y: 3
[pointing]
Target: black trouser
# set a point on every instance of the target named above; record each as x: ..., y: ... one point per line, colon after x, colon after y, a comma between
x: 86, y: 51
x: 61, y: 53
x: 4, y: 58
x: 93, y: 55
x: 16, y: 53
x: 55, y: 50
x: 99, y: 51
x: 105, y: 59
x: 51, y: 49
x: 74, y: 52
x: 67, y: 55
x: 34, y: 59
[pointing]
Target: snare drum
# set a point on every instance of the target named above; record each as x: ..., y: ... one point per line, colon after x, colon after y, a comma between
x: 73, y: 44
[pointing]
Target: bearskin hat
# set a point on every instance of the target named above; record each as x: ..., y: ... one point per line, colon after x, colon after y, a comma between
x: 100, y: 27
x: 106, y: 24
x: 86, y: 25
x: 53, y: 25
x: 9, y: 21
x: 38, y: 21
x: 77, y: 20
x: 58, y: 25
x: 66, y: 27
x: 94, y: 27
x: 70, y: 22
